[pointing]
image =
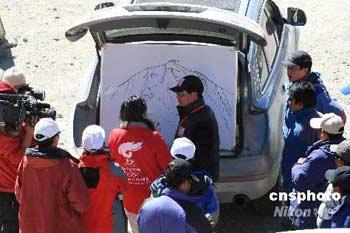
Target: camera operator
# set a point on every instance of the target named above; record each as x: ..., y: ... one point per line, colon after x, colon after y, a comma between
x: 13, y: 77
x: 13, y: 144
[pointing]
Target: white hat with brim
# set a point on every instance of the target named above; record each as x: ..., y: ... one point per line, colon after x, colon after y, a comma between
x: 93, y: 138
x: 329, y: 122
x: 183, y: 148
x: 46, y: 128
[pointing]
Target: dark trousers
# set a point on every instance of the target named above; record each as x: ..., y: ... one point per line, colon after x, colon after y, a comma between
x: 8, y: 213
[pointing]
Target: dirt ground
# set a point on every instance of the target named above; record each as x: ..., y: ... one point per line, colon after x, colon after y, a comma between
x: 52, y: 63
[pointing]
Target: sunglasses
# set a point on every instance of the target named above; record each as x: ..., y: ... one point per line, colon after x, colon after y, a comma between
x: 180, y: 94
x: 293, y: 68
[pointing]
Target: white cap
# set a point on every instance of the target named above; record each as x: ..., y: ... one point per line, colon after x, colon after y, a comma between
x: 45, y: 128
x: 329, y: 122
x: 14, y: 78
x: 183, y: 146
x: 93, y: 138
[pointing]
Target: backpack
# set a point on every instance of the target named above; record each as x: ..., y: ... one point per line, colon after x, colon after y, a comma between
x: 195, y: 217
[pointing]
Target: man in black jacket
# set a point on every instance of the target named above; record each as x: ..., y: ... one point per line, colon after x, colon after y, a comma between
x: 198, y: 123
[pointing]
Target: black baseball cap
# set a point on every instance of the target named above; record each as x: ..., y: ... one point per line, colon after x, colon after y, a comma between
x: 189, y: 83
x: 342, y: 150
x: 339, y: 177
x: 178, y: 171
x: 300, y: 58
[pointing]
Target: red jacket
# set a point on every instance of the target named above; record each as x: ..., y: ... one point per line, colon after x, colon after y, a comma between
x: 6, y: 88
x: 11, y: 154
x: 51, y: 193
x: 104, y: 181
x: 143, y: 155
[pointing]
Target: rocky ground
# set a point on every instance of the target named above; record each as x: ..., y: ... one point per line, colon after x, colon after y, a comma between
x: 52, y: 63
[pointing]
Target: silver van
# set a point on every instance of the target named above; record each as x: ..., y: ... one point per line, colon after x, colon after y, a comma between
x: 259, y: 35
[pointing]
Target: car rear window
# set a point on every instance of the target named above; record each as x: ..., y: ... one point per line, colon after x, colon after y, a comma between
x: 231, y: 5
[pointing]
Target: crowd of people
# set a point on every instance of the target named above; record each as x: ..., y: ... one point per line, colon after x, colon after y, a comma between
x: 43, y: 188
x: 314, y: 148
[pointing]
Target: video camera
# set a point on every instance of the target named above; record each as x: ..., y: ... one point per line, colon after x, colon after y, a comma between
x: 17, y: 108
x: 37, y: 94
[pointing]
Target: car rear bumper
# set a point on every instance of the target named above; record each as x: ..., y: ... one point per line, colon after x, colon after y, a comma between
x: 251, y: 186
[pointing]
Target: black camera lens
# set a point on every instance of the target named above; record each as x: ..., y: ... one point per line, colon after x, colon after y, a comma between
x: 39, y: 95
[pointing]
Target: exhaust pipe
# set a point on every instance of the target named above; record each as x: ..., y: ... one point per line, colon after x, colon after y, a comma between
x: 241, y: 200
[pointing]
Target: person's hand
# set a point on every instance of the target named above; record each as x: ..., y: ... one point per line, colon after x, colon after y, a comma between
x: 212, y: 224
x: 301, y: 160
x: 29, y: 132
x: 29, y: 125
x: 32, y: 122
x: 210, y: 219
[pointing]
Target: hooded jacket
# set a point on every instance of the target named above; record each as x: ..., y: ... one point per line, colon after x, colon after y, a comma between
x: 166, y: 214
x: 104, y: 180
x: 143, y: 155
x: 309, y: 177
x: 198, y: 123
x: 51, y: 192
x: 325, y: 104
x: 203, y: 188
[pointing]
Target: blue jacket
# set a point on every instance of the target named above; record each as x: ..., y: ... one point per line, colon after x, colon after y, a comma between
x: 298, y: 136
x: 340, y: 215
x: 203, y: 189
x: 297, y: 141
x: 163, y: 215
x: 309, y: 176
x: 325, y: 104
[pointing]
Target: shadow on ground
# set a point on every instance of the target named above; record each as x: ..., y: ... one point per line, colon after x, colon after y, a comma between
x: 247, y: 219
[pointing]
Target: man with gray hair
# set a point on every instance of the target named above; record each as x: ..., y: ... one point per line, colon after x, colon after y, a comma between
x: 12, y: 149
x: 15, y: 78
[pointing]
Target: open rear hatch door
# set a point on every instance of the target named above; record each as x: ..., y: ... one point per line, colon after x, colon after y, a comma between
x: 142, y: 69
x: 159, y: 19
